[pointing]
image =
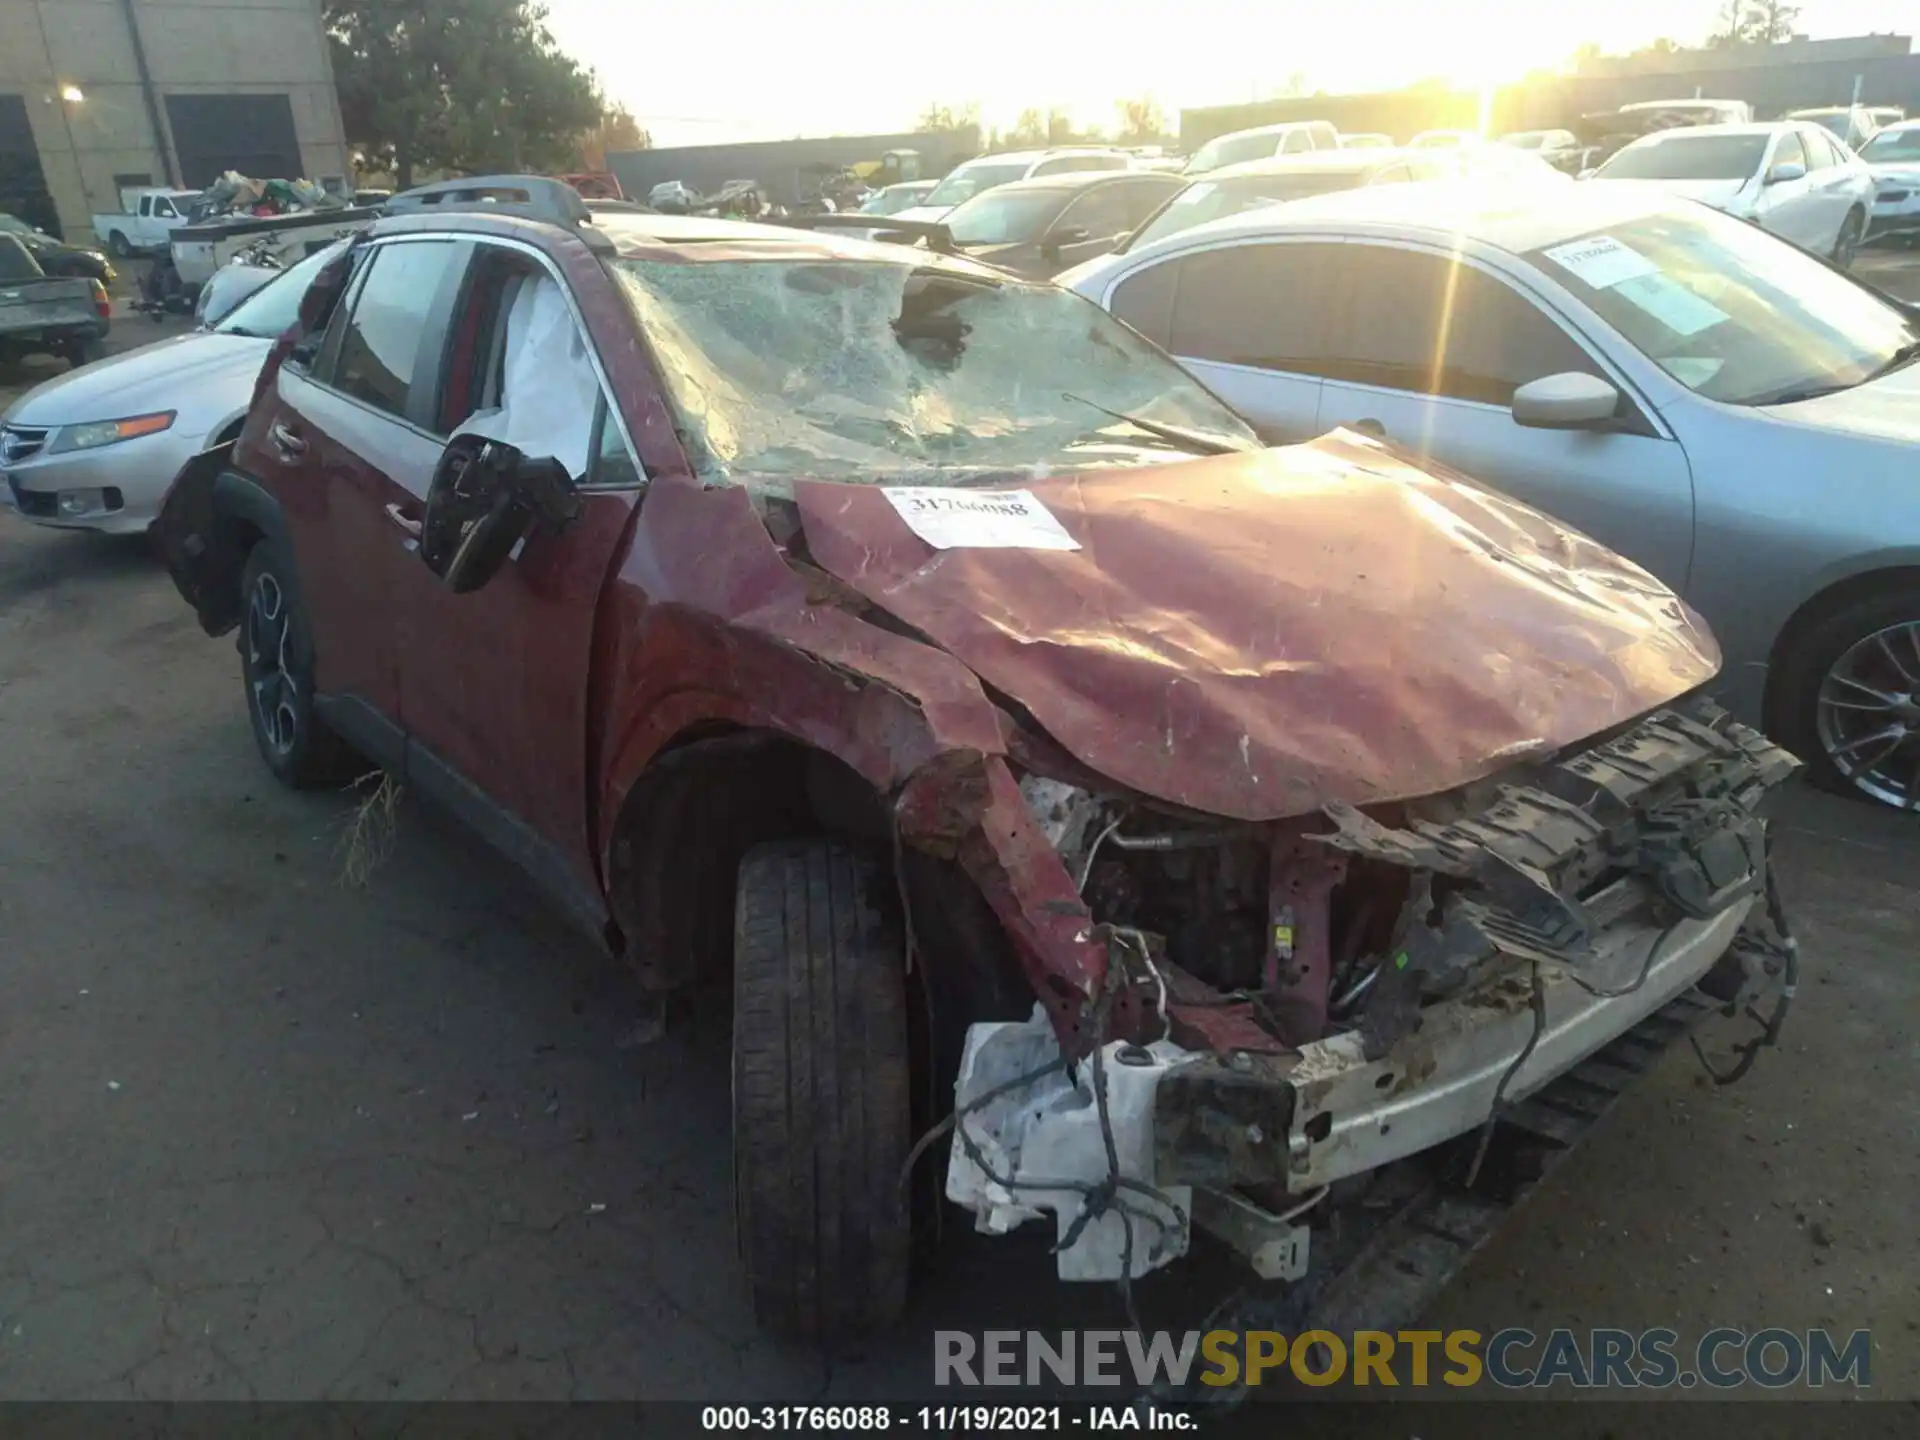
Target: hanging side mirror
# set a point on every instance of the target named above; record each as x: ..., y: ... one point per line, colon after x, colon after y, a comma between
x: 485, y: 498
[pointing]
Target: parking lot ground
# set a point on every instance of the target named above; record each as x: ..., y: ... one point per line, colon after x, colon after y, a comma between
x: 267, y: 1135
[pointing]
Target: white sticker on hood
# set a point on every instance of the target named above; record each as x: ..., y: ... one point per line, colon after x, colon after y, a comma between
x: 1601, y: 261
x: 979, y: 519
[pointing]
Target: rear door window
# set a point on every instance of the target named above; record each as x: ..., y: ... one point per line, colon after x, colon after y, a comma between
x: 1431, y: 324
x: 383, y: 339
x: 1144, y: 300
x: 1263, y: 306
x: 1101, y: 212
x: 517, y: 366
x: 1144, y: 197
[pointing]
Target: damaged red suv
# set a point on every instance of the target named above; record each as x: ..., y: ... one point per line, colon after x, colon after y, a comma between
x: 1207, y: 836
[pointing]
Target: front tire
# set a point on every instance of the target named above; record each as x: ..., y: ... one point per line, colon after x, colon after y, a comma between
x: 1850, y: 689
x: 1847, y: 246
x: 821, y: 1086
x: 276, y: 664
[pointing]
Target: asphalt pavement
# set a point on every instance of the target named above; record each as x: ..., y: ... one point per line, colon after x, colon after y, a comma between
x: 265, y: 1134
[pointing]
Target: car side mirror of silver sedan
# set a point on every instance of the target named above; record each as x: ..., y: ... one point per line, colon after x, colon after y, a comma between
x: 1571, y: 401
x: 1785, y: 171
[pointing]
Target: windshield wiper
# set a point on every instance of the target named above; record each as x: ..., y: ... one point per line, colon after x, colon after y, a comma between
x: 1899, y: 360
x: 1194, y: 442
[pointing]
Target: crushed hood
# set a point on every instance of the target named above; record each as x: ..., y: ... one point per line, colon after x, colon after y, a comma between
x: 1256, y: 635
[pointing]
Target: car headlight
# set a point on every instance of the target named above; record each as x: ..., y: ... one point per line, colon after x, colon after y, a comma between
x: 110, y: 432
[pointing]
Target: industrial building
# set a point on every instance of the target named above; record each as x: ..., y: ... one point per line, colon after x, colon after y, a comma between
x: 97, y: 95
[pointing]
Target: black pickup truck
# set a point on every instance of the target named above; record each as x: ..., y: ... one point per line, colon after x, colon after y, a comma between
x: 47, y: 315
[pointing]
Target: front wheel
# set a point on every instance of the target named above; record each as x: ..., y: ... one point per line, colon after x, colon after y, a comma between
x: 276, y: 662
x: 1852, y: 688
x: 1848, y: 245
x: 821, y: 1086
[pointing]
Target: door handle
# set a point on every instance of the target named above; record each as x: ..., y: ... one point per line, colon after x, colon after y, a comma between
x: 1370, y: 426
x: 399, y: 516
x: 286, y: 444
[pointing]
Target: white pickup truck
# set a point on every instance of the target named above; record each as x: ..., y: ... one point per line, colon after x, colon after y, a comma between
x: 147, y: 223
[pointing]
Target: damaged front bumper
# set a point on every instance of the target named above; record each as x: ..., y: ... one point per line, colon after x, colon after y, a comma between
x: 1552, y: 916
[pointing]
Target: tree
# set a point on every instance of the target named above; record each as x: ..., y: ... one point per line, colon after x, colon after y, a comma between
x: 1753, y: 22
x: 1770, y: 22
x: 948, y: 117
x: 1142, y: 121
x: 1029, y: 130
x: 464, y: 85
x: 616, y: 131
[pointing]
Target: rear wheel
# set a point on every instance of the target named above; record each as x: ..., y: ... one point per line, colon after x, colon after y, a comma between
x: 87, y: 352
x: 276, y: 662
x: 117, y: 245
x: 1848, y: 245
x: 821, y: 1085
x: 1852, y: 688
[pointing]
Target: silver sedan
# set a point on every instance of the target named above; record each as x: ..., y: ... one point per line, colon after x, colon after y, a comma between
x: 97, y: 448
x: 1738, y: 416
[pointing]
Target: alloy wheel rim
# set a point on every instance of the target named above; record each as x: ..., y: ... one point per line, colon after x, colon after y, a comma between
x: 1869, y: 715
x: 274, y: 691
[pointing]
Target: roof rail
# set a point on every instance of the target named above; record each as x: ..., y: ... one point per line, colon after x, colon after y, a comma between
x: 533, y: 197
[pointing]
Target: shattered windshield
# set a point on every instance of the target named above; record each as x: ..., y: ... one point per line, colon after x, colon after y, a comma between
x: 905, y: 373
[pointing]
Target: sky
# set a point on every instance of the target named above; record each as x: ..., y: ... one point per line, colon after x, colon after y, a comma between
x: 730, y: 70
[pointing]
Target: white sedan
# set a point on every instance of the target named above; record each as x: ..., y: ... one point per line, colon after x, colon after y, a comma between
x: 98, y: 448
x: 1791, y: 179
x: 1894, y: 158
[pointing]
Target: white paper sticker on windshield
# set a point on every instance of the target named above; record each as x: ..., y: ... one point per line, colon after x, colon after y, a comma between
x: 979, y: 519
x: 1601, y: 261
x: 1671, y: 303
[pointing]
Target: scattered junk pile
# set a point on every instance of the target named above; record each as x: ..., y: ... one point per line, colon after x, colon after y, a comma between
x: 240, y: 220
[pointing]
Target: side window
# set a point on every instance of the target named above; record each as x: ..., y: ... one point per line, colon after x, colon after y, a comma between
x: 517, y: 368
x: 613, y: 465
x: 163, y: 207
x: 1144, y: 197
x: 1259, y: 305
x: 1297, y: 141
x: 1061, y: 165
x: 320, y: 352
x: 1789, y: 151
x: 1145, y: 301
x: 1431, y: 324
x: 1820, y: 154
x: 381, y: 339
x: 1394, y: 174
x: 1102, y: 212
